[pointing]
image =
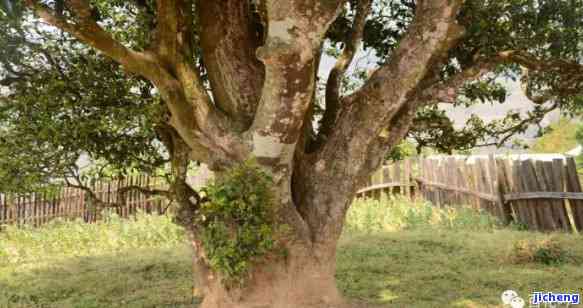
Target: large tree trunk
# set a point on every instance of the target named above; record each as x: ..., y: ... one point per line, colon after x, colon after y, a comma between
x: 302, y: 277
x: 299, y: 280
x: 243, y: 121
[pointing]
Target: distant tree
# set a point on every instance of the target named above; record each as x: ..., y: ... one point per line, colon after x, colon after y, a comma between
x: 239, y: 82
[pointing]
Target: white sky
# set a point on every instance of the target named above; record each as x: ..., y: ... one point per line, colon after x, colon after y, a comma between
x: 516, y: 100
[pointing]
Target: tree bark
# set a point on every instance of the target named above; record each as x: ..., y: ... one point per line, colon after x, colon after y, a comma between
x: 228, y: 43
x: 302, y: 277
x: 242, y: 121
x: 300, y: 280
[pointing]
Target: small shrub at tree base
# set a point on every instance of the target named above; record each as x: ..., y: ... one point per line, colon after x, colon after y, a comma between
x: 237, y: 224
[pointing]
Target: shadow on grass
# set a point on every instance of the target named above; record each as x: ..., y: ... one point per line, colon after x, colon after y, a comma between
x: 446, y: 269
x: 139, y: 278
x: 401, y: 269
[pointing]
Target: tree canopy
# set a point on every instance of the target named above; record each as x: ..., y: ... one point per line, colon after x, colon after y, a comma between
x: 66, y: 101
x: 63, y: 103
x: 230, y: 83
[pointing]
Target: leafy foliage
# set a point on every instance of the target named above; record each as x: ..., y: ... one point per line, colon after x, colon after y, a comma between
x: 401, y: 151
x: 237, y: 223
x: 549, y: 30
x: 62, y: 104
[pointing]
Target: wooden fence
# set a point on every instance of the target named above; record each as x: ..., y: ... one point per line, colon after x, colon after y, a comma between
x: 542, y: 195
x: 396, y: 178
x: 69, y: 203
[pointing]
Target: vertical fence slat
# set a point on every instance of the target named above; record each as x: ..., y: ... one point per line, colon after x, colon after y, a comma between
x: 574, y: 185
x: 520, y: 205
x: 527, y: 177
x: 495, y: 190
x: 559, y: 180
x: 544, y: 183
x: 555, y: 182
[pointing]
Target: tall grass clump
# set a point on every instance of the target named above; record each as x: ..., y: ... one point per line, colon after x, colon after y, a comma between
x: 61, y: 238
x: 396, y: 213
x: 548, y: 251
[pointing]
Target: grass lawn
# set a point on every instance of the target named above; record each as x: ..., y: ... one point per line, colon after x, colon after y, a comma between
x: 428, y: 268
x: 392, y: 254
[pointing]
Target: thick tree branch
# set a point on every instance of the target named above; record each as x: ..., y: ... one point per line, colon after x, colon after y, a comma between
x: 351, y: 46
x: 307, y: 142
x: 169, y: 67
x: 448, y: 91
x: 534, y: 63
x: 571, y: 77
x: 360, y: 136
x: 229, y: 41
x: 174, y: 32
x: 195, y: 117
x: 198, y: 121
x: 86, y: 29
x: 295, y: 33
x: 365, y: 113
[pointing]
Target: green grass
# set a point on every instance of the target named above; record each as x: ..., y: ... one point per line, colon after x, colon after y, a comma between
x: 560, y: 139
x: 393, y: 254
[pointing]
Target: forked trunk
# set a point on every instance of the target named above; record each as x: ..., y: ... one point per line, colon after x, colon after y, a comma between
x: 301, y: 277
x: 242, y: 120
x: 312, y: 201
x: 299, y: 280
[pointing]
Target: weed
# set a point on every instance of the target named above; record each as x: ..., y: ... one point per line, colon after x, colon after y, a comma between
x: 62, y: 239
x: 398, y: 213
x: 548, y: 251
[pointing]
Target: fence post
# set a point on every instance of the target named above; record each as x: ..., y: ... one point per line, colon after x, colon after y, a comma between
x: 497, y: 189
x: 574, y: 185
x: 558, y: 184
x: 545, y: 207
x: 407, y: 178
